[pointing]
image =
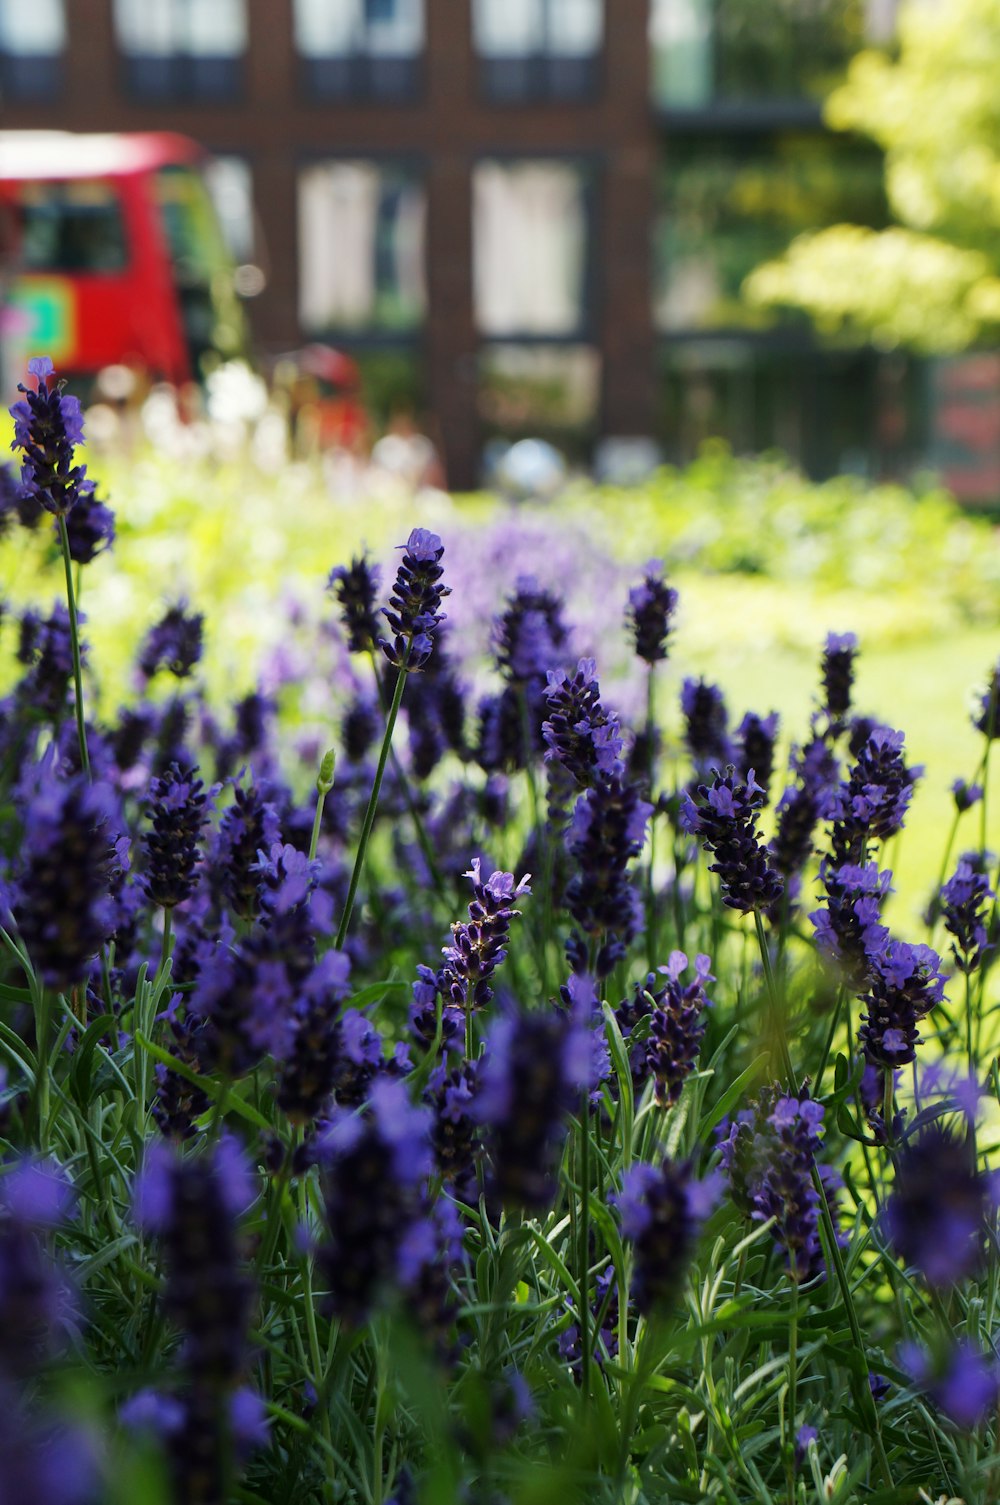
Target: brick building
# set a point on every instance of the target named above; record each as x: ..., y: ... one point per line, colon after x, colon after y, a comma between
x: 521, y: 215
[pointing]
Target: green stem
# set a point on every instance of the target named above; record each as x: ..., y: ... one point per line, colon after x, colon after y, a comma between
x: 74, y: 634
x: 584, y: 1282
x: 165, y: 946
x: 873, y: 1428
x: 324, y: 783
x: 651, y: 956
x: 366, y: 829
x: 423, y: 840
x: 793, y: 1365
x: 777, y: 1025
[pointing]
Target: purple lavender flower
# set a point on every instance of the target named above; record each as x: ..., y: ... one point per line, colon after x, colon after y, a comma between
x: 849, y: 929
x: 725, y: 818
x: 662, y: 1210
x: 47, y: 428
x: 35, y: 1301
x: 356, y: 588
x: 803, y: 803
x: 987, y: 717
x: 803, y: 1437
x: 905, y: 983
x: 706, y: 724
x: 669, y: 1052
x: 414, y: 610
x: 938, y: 1214
x: 373, y: 1168
x: 61, y: 894
x: 965, y: 795
x: 309, y: 1072
x: 754, y: 748
x: 173, y: 643
x: 451, y: 1095
x: 962, y: 1381
x: 651, y: 607
x: 769, y: 1155
x: 45, y: 1461
x: 839, y: 653
x: 529, y: 636
x: 535, y: 1068
x: 249, y: 825
x: 580, y: 734
x: 607, y: 830
x: 90, y: 526
x: 429, y: 1256
x: 871, y: 804
x: 478, y: 945
x: 176, y: 805
x: 45, y: 647
x: 963, y: 900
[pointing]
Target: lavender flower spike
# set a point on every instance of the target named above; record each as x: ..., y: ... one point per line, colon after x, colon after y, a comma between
x: 479, y: 944
x: 651, y: 607
x: 414, y: 610
x: 725, y: 818
x: 47, y: 428
x: 662, y: 1209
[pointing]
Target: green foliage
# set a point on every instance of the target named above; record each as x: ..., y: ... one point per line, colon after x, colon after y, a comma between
x: 932, y: 282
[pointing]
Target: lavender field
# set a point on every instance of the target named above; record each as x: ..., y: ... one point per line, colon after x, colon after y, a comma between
x: 508, y: 1015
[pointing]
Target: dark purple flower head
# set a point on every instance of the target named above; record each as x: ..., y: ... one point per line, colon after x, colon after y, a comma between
x: 61, y: 894
x: 839, y: 653
x: 849, y: 929
x: 963, y: 902
x: 986, y: 717
x: 535, y: 1069
x: 803, y: 1437
x: 45, y: 646
x: 871, y: 804
x: 802, y: 805
x: 669, y: 1052
x: 309, y: 1072
x: 706, y: 724
x: 725, y: 818
x: 769, y: 1154
x: 356, y: 588
x: 47, y: 428
x: 965, y: 795
x: 579, y: 732
x: 662, y: 1210
x: 651, y: 608
x: 939, y: 1212
x: 607, y: 830
x: 754, y: 748
x: 478, y: 944
x: 249, y: 826
x: 414, y: 610
x: 904, y: 984
x: 91, y: 529
x: 35, y: 1301
x: 373, y: 1168
x: 529, y: 637
x: 451, y: 1096
x: 173, y: 643
x: 45, y: 1462
x: 962, y: 1381
x: 177, y: 807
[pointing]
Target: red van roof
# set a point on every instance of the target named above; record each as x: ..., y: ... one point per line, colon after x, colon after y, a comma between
x: 60, y: 155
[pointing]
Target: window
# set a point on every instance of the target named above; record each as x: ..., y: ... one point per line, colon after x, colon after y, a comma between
x: 230, y: 183
x: 542, y: 390
x: 32, y: 41
x: 360, y: 49
x: 727, y: 205
x: 725, y: 51
x: 361, y: 248
x: 182, y: 49
x: 538, y: 49
x: 530, y: 237
x: 71, y: 227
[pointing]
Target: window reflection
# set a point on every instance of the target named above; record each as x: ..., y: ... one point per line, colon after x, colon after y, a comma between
x: 177, y: 49
x: 538, y: 49
x: 358, y: 49
x: 361, y: 248
x: 32, y: 41
x: 530, y: 244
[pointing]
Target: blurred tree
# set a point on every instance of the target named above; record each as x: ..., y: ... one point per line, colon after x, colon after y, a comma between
x: 932, y: 281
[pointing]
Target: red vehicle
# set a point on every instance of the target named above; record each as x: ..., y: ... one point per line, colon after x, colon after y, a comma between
x: 111, y: 253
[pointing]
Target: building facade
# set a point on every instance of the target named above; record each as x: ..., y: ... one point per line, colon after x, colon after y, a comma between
x: 521, y: 215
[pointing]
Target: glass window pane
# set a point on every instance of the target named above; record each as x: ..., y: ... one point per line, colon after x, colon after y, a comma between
x: 147, y: 28
x: 727, y: 206
x: 530, y: 238
x: 395, y: 27
x: 508, y: 28
x: 681, y: 37
x: 361, y: 248
x: 37, y: 29
x: 575, y: 27
x: 328, y: 28
x: 230, y: 183
x: 71, y: 227
x: 216, y: 28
